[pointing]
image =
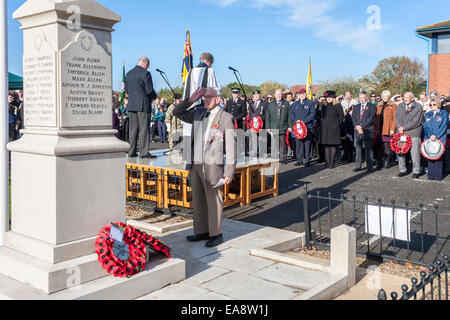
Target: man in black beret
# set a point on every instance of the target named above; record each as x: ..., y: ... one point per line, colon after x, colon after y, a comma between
x: 237, y: 108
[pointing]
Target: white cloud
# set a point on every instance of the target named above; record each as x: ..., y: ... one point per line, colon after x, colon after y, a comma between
x: 317, y: 16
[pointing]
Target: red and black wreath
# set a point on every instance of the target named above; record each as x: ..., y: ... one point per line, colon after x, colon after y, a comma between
x: 401, y: 143
x: 300, y: 130
x: 127, y: 258
x: 256, y: 124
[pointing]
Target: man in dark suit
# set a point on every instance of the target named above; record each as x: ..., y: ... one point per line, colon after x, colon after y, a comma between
x: 139, y: 86
x: 237, y: 108
x: 258, y: 107
x: 278, y: 118
x: 304, y: 110
x: 363, y: 121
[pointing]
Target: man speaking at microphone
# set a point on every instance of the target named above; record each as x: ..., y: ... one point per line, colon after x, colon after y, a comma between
x: 212, y: 135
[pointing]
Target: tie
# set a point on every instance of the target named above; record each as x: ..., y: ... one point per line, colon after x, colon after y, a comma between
x: 363, y: 109
x: 207, y: 114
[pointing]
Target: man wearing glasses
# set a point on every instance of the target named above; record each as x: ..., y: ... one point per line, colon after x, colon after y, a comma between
x: 212, y: 129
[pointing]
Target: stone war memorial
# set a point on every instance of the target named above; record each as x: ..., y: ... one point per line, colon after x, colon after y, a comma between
x: 67, y: 171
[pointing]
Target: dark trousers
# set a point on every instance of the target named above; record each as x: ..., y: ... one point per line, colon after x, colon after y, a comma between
x: 283, y: 147
x: 162, y: 131
x: 367, y: 145
x: 447, y: 161
x: 382, y: 152
x: 304, y: 149
x: 436, y: 169
x: 139, y: 125
x: 347, y: 146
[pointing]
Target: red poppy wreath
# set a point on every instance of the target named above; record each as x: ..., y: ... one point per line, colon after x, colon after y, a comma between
x: 401, y: 143
x: 126, y: 258
x: 300, y: 130
x: 256, y: 124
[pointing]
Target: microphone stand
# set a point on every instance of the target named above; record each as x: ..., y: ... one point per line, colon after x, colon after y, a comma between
x: 163, y: 75
x: 237, y: 78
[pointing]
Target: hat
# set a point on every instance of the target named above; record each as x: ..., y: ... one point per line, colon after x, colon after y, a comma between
x: 257, y: 92
x: 432, y: 150
x: 330, y: 94
x: 302, y: 90
x: 236, y: 90
x: 269, y: 96
x: 177, y: 96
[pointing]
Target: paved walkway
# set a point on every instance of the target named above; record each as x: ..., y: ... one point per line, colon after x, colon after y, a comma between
x: 230, y: 272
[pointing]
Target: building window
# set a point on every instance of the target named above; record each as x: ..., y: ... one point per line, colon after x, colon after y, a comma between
x: 443, y: 43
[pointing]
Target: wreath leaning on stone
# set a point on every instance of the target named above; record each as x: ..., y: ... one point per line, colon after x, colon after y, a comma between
x: 401, y: 143
x: 126, y: 258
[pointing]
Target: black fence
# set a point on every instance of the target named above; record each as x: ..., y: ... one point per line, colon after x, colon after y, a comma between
x: 395, y: 231
x: 432, y: 286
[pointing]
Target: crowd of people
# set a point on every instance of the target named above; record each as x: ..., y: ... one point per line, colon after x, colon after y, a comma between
x: 15, y: 114
x: 339, y: 127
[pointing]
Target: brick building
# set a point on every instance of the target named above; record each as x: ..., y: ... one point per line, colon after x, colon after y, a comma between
x: 317, y: 89
x: 438, y: 37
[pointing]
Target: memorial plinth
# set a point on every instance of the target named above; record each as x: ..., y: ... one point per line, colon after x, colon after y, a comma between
x: 67, y: 171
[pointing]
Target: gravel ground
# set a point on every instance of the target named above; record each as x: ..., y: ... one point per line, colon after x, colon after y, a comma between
x: 159, y: 219
x: 407, y: 270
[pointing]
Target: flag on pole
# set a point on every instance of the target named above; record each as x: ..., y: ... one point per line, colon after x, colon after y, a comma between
x: 122, y: 92
x: 187, y: 57
x: 309, y: 83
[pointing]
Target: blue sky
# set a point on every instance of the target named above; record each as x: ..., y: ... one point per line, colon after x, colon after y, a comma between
x: 264, y: 39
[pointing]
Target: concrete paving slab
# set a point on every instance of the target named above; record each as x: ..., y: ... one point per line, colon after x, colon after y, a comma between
x: 176, y: 292
x: 240, y: 227
x: 194, y: 250
x: 245, y: 287
x: 293, y: 276
x: 214, y: 296
x: 198, y: 273
x: 248, y: 242
x: 237, y: 260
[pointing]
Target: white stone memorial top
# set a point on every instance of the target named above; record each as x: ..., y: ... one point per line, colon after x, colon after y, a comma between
x: 86, y: 84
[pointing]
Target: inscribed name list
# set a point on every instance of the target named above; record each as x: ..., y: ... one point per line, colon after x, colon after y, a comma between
x: 86, y: 85
x: 39, y: 81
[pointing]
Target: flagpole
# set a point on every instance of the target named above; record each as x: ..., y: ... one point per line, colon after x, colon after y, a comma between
x: 4, y: 154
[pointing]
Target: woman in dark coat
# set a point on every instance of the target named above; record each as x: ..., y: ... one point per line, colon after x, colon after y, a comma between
x: 330, y: 131
x: 347, y: 136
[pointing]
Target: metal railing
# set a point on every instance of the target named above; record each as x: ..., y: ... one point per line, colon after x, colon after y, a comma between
x: 436, y: 280
x: 426, y: 230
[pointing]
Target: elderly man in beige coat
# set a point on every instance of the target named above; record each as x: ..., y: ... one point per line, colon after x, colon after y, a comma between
x: 212, y: 132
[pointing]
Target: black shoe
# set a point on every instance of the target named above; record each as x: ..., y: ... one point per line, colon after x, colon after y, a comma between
x: 198, y: 237
x: 369, y: 171
x: 416, y: 176
x: 402, y: 174
x: 308, y: 165
x: 134, y: 155
x: 298, y: 164
x: 214, y: 241
x: 357, y: 170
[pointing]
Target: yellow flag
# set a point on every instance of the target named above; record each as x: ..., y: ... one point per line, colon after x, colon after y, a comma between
x: 309, y: 83
x: 187, y: 57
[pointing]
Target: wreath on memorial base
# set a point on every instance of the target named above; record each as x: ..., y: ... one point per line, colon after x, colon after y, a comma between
x: 250, y: 124
x: 300, y: 130
x: 126, y: 258
x: 401, y: 147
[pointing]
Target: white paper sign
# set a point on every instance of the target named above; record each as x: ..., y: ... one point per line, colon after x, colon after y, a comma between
x: 402, y: 222
x: 116, y: 234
